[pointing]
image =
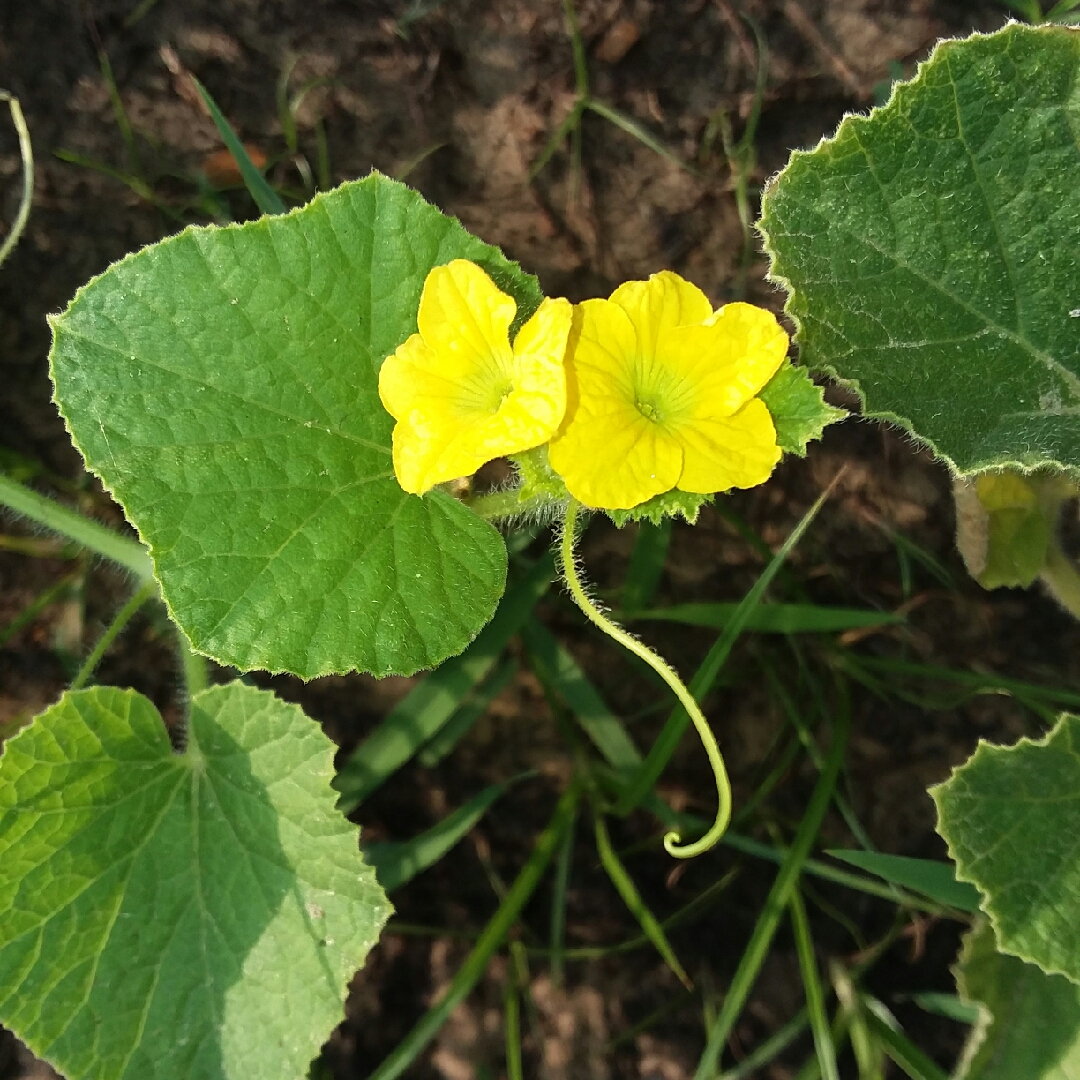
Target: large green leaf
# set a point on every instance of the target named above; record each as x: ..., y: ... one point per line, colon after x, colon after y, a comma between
x: 224, y: 386
x: 1030, y: 1029
x: 932, y: 250
x: 165, y: 916
x: 1011, y: 818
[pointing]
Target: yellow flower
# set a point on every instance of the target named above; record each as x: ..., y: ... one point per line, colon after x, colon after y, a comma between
x: 661, y: 395
x: 461, y: 395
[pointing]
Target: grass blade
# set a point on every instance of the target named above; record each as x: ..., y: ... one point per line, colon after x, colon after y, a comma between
x: 908, y: 1056
x: 779, y: 895
x: 977, y: 681
x: 632, y: 127
x: 471, y: 709
x: 266, y: 198
x: 646, y: 566
x: 948, y: 1005
x: 139, y: 12
x: 626, y: 888
x: 512, y: 1024
x: 771, y: 618
x: 557, y: 937
x: 570, y: 122
x: 829, y: 873
x: 397, y: 862
x: 806, y: 736
x: 775, y: 1045
x: 430, y: 705
x: 554, y: 666
x: 815, y: 998
x: 117, y: 103
x: 677, y: 722
x: 937, y: 880
x: 406, y: 1052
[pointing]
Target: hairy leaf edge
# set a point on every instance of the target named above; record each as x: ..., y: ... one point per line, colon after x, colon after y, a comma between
x: 856, y: 120
x: 986, y: 748
x: 54, y: 322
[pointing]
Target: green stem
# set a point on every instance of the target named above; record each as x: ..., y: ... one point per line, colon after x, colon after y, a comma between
x: 89, y: 534
x: 779, y: 896
x: 667, y: 673
x: 27, y: 153
x: 501, y: 504
x: 641, y: 783
x: 145, y: 592
x: 196, y: 674
x: 490, y: 940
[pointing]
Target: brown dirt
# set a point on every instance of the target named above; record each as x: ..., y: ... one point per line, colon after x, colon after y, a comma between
x: 468, y: 94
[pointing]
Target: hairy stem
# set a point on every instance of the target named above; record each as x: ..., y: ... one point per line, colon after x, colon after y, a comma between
x: 57, y: 518
x: 145, y: 592
x: 668, y: 674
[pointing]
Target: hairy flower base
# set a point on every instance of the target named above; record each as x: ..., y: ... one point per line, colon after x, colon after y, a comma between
x: 460, y: 393
x: 661, y: 395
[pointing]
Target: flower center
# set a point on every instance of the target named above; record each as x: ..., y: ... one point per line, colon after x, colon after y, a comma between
x: 649, y: 407
x: 499, y: 393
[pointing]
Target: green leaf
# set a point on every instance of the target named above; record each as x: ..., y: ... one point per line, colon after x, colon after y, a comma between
x: 936, y: 880
x: 224, y: 386
x: 1004, y: 524
x: 1011, y: 818
x: 431, y: 704
x: 771, y: 618
x: 165, y: 916
x: 930, y: 250
x: 1030, y: 1027
x: 798, y: 408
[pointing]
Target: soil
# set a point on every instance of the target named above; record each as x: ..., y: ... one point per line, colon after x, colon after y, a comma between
x: 461, y: 97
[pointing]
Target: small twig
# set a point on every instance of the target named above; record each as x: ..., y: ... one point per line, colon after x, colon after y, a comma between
x: 804, y: 24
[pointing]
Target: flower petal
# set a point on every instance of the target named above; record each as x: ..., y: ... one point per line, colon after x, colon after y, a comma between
x: 724, y: 452
x: 659, y: 305
x: 730, y: 358
x: 456, y: 407
x: 540, y: 369
x: 466, y: 319
x: 608, y: 454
